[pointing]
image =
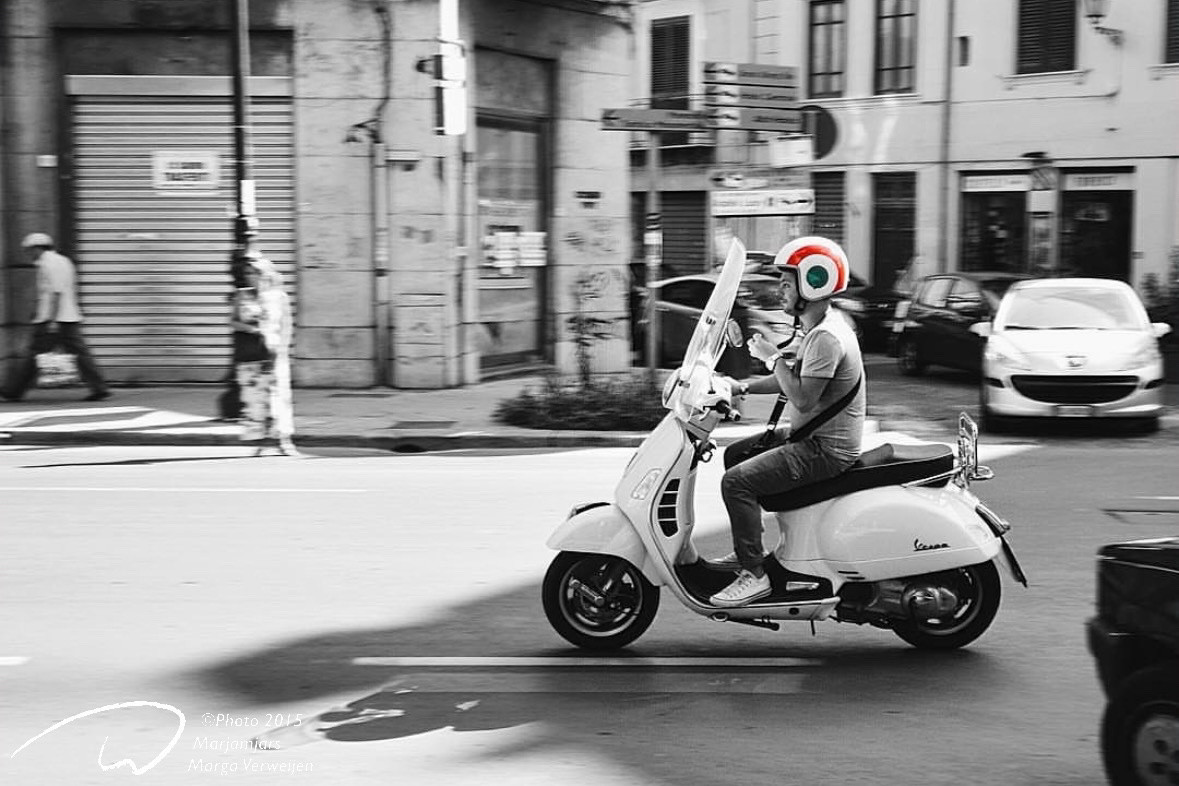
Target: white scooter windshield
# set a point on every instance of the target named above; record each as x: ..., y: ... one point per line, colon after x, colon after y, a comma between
x: 708, y: 339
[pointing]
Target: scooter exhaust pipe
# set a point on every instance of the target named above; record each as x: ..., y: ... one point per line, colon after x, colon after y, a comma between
x: 719, y: 616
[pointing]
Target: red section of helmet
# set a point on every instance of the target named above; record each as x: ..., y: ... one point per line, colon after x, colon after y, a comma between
x: 805, y: 251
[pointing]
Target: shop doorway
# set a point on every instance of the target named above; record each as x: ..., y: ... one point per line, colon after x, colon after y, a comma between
x: 1095, y: 234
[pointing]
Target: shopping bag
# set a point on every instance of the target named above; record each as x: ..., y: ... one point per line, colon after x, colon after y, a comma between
x: 56, y: 369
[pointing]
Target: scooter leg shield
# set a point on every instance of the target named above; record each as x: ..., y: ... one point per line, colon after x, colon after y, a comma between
x: 605, y: 529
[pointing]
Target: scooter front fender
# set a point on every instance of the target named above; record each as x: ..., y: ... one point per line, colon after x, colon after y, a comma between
x: 605, y: 529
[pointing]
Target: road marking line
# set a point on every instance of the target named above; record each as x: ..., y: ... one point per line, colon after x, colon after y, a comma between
x: 13, y: 660
x: 575, y: 662
x: 170, y: 489
x: 642, y: 681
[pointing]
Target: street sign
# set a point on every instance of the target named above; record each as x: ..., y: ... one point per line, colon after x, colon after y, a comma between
x: 769, y: 202
x: 757, y: 178
x: 655, y: 120
x: 752, y: 119
x: 750, y: 74
x: 751, y: 95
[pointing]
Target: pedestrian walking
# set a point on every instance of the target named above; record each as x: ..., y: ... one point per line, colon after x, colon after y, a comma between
x: 57, y: 322
x: 262, y: 360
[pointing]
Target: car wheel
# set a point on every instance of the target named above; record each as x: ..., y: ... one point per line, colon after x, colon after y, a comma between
x: 909, y: 359
x: 1150, y: 425
x: 988, y: 422
x: 1140, y: 728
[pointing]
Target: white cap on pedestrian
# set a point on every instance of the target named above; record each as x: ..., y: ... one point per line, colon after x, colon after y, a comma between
x: 37, y: 240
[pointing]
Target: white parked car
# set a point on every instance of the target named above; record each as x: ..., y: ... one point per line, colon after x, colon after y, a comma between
x: 1071, y: 348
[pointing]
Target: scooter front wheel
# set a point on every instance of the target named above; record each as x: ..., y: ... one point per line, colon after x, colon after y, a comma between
x: 598, y: 601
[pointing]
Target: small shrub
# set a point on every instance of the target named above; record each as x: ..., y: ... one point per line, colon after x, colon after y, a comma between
x: 607, y: 404
x: 1161, y: 298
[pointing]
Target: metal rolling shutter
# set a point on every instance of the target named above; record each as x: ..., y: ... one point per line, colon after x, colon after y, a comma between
x: 153, y: 263
x: 829, y: 201
x: 685, y: 232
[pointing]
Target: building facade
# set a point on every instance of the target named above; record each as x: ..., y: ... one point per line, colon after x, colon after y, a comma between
x: 1014, y: 135
x: 416, y: 259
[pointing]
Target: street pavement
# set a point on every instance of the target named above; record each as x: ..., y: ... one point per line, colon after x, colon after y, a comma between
x: 421, y: 420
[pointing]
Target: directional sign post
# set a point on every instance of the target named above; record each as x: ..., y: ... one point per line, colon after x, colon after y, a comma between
x: 752, y: 97
x: 654, y: 120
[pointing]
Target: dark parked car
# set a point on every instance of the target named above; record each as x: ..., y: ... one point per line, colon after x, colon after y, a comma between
x: 871, y: 309
x: 679, y: 302
x: 936, y: 324
x: 1134, y: 639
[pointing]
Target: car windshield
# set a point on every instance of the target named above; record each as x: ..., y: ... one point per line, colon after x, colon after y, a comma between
x: 1074, y: 308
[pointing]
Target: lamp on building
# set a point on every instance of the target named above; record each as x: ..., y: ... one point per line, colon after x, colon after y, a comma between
x: 1095, y: 11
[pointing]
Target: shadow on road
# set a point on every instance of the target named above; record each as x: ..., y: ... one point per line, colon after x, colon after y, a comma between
x: 840, y: 675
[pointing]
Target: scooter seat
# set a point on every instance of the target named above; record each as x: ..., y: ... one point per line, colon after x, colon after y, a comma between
x: 886, y: 465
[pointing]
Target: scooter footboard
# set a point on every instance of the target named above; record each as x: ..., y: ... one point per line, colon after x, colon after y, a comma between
x: 605, y: 529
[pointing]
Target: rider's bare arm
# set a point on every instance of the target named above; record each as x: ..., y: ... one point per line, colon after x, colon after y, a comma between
x: 804, y: 392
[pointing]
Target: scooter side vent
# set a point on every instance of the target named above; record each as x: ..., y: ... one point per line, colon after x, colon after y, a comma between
x: 665, y: 513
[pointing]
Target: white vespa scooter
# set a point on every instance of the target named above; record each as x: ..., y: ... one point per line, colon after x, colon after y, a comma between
x: 899, y: 541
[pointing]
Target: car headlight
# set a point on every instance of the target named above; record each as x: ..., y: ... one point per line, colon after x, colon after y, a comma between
x: 1145, y: 355
x: 1001, y: 352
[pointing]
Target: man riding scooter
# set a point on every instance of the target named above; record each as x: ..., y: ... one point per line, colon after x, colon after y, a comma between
x: 820, y: 372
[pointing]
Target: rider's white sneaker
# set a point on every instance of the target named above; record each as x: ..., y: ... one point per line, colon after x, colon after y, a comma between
x: 746, y: 589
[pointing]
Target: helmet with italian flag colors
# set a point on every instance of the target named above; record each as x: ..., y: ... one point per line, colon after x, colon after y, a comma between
x: 820, y: 265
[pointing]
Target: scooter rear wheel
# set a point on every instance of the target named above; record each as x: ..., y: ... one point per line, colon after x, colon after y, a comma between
x: 598, y: 601
x: 978, y: 590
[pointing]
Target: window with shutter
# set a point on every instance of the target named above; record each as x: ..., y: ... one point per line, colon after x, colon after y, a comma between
x: 828, y: 39
x: 896, y: 49
x: 1047, y: 37
x: 829, y: 200
x: 1171, y: 52
x: 670, y: 68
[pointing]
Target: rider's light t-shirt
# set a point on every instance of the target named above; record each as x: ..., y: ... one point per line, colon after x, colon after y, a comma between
x: 830, y: 351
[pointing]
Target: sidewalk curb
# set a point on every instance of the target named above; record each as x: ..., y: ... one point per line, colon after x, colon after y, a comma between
x: 422, y: 442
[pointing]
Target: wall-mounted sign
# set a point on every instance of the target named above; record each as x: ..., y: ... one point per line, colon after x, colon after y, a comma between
x: 186, y: 170
x: 984, y: 183
x: 770, y: 202
x: 1099, y: 181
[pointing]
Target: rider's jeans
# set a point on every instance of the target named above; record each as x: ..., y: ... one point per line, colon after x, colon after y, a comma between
x: 782, y: 467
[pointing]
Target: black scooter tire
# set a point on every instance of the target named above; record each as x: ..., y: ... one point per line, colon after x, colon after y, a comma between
x: 630, y: 602
x: 949, y: 635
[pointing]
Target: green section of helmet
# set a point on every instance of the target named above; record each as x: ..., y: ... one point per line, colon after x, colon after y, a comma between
x: 817, y: 277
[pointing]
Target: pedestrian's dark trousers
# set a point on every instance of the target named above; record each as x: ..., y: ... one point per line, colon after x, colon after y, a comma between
x: 67, y: 338
x: 754, y: 469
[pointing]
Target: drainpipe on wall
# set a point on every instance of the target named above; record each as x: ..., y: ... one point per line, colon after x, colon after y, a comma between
x: 943, y: 246
x: 382, y: 345
x: 382, y: 295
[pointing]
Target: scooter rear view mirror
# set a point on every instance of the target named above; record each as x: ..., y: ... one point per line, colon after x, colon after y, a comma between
x: 733, y: 333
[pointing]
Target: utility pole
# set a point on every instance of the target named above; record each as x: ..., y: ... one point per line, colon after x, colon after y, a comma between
x: 245, y: 224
